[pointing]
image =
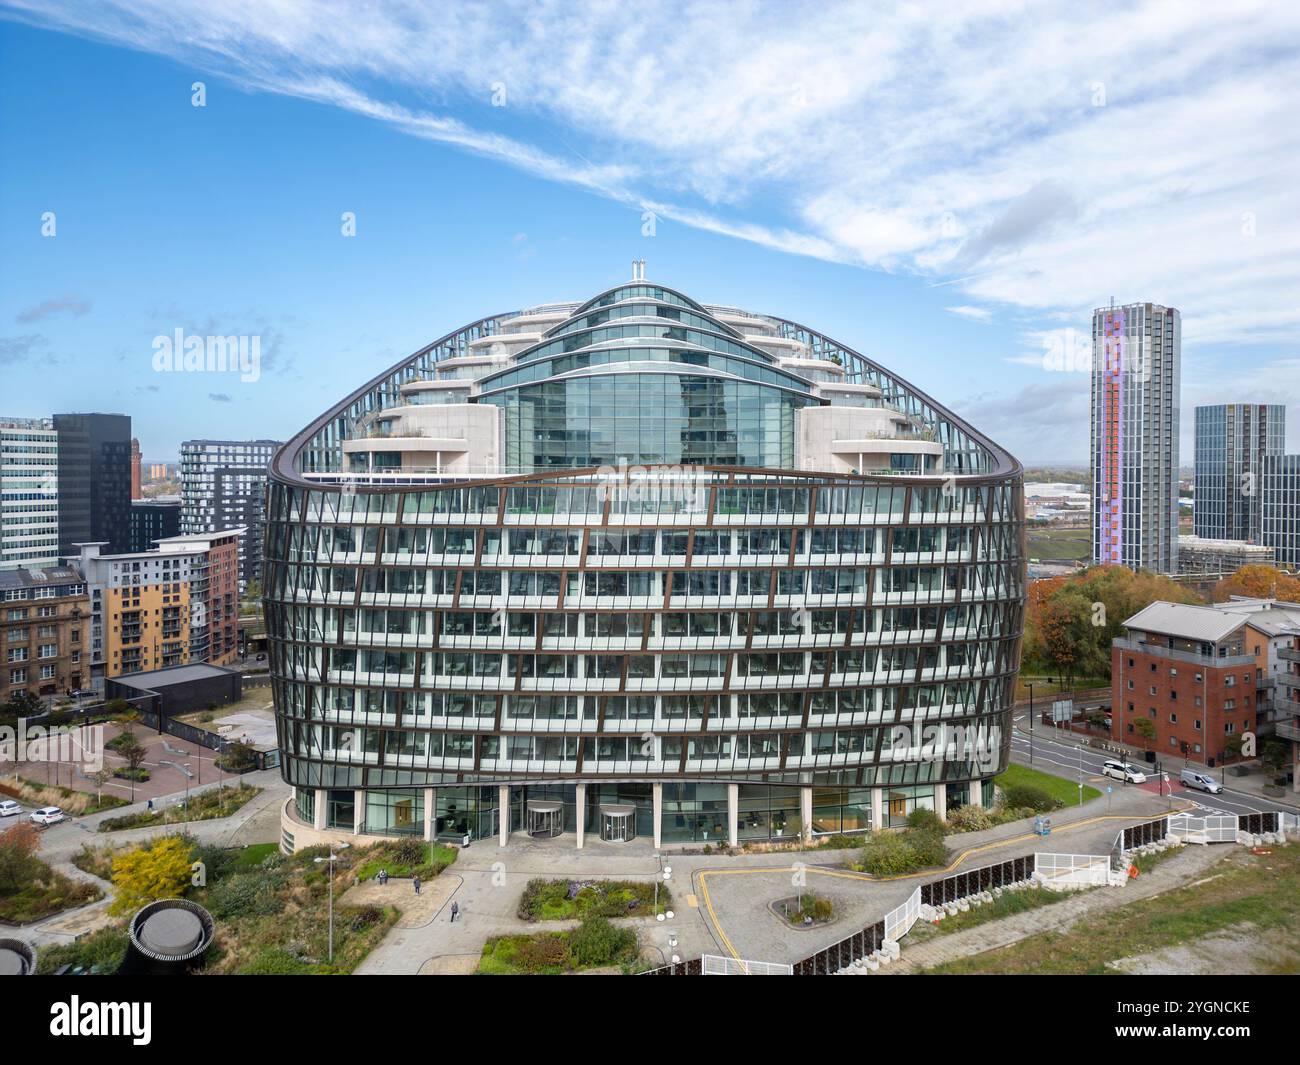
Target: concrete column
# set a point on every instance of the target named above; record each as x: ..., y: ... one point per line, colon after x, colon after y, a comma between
x: 358, y: 811
x: 580, y: 811
x: 805, y: 812
x: 733, y: 815
x: 503, y: 824
x: 429, y: 801
x: 941, y: 801
x: 877, y: 809
x: 657, y: 799
x: 322, y: 801
x: 976, y: 793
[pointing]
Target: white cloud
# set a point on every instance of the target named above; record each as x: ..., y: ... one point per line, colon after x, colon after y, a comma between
x: 973, y: 314
x: 966, y: 148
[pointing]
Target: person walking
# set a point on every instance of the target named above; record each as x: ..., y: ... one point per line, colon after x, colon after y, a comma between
x: 416, y: 883
x: 455, y: 911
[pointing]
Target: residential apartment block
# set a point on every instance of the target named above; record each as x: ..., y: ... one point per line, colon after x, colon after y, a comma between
x: 223, y: 485
x: 1134, y: 436
x: 174, y: 605
x: 1281, y: 510
x: 1231, y: 441
x: 44, y: 631
x: 1202, y: 675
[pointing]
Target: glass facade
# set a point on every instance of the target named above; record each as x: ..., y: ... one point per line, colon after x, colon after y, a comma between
x: 718, y: 616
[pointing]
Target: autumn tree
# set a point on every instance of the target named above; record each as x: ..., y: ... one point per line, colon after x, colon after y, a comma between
x: 146, y: 874
x: 1258, y: 582
x: 19, y: 865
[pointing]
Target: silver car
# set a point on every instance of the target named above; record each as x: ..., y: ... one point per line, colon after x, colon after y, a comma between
x: 1194, y: 778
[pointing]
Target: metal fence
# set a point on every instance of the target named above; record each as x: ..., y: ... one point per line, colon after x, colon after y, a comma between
x: 1145, y: 833
x: 844, y: 953
x: 986, y: 878
x: 1058, y: 870
x: 718, y: 965
x: 899, y: 921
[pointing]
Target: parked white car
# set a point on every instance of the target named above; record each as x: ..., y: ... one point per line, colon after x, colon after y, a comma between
x: 1125, y: 771
x: 8, y: 808
x: 48, y: 815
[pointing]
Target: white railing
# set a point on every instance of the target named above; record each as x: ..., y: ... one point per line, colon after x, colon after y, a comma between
x: 1221, y: 828
x: 1058, y: 870
x: 717, y: 965
x: 899, y: 921
x: 1186, y: 827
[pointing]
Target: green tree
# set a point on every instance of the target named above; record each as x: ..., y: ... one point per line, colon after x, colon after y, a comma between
x: 1146, y: 728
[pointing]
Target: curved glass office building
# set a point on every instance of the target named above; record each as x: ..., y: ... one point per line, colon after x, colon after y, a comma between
x: 639, y: 568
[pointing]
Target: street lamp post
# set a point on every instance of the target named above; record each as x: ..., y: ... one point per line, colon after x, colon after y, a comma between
x: 187, y: 789
x: 333, y: 857
x: 1031, y: 723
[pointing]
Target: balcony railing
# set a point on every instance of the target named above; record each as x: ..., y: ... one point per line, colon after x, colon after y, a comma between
x: 1190, y: 657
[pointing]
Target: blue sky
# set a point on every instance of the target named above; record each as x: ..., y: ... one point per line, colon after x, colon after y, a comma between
x: 948, y: 195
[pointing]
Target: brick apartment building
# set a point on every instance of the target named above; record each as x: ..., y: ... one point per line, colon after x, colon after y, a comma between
x: 175, y: 605
x: 1196, y: 672
x: 44, y: 630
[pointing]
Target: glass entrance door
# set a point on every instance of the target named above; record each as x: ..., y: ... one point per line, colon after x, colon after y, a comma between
x: 545, y: 819
x: 618, y: 824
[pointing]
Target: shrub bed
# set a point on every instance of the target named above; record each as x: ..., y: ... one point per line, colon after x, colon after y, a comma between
x: 204, y: 806
x: 555, y: 900
x: 593, y: 944
x: 919, y: 846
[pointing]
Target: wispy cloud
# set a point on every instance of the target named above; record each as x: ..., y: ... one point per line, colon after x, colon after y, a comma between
x: 974, y: 314
x: 1046, y: 159
x: 65, y: 305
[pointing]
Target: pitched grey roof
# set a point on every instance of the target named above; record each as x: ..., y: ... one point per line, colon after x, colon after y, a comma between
x: 1205, y: 623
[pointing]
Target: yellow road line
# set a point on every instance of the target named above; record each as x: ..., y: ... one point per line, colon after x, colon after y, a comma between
x: 704, y: 874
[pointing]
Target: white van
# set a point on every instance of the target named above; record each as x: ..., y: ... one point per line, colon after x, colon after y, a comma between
x: 1194, y: 778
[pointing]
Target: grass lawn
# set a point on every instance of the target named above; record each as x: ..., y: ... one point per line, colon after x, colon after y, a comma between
x: 1047, y: 686
x: 204, y: 806
x: 405, y: 858
x: 1262, y: 891
x: 557, y: 900
x: 1008, y: 904
x: 1048, y: 543
x: 253, y: 855
x: 1064, y: 791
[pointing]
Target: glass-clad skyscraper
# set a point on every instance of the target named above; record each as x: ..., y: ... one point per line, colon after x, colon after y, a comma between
x: 639, y: 567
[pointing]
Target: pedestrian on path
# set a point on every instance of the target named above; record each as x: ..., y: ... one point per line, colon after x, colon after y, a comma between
x: 383, y: 878
x: 416, y: 883
x: 455, y: 911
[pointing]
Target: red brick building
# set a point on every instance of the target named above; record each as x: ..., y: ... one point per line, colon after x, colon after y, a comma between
x: 1189, y: 671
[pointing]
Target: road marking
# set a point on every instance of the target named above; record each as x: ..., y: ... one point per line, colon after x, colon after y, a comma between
x: 704, y: 874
